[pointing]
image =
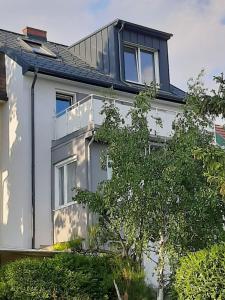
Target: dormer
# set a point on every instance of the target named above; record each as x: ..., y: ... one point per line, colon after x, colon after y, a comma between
x: 128, y: 52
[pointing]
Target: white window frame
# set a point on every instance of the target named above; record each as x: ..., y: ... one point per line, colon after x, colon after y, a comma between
x: 63, y: 164
x: 108, y: 168
x: 138, y: 62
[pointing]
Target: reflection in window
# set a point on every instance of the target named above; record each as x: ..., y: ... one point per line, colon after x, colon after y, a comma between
x: 147, y: 66
x: 37, y: 47
x: 65, y: 182
x: 139, y: 65
x: 61, y: 185
x: 130, y: 61
x: 71, y: 180
x: 62, y: 103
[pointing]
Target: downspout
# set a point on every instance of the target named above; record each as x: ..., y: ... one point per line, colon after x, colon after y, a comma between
x: 119, y: 41
x: 89, y: 185
x: 33, y: 158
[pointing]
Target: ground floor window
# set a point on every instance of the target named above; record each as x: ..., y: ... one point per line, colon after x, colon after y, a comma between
x: 65, y: 181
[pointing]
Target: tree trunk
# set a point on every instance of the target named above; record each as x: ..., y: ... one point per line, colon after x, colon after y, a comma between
x: 161, y: 268
x: 160, y: 295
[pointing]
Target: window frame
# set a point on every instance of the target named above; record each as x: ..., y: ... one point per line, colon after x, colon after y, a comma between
x: 138, y: 49
x: 72, y: 97
x: 57, y: 167
x: 45, y: 51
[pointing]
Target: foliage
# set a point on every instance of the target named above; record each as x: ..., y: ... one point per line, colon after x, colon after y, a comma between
x: 70, y: 276
x: 157, y: 194
x: 118, y: 201
x: 201, y: 275
x: 214, y: 104
x: 213, y: 157
x: 75, y: 244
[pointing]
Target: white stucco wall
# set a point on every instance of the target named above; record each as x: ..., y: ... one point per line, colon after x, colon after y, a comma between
x: 15, y: 154
x: 15, y: 213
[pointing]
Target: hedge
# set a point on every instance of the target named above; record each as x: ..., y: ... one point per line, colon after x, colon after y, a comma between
x: 201, y: 275
x: 71, y: 276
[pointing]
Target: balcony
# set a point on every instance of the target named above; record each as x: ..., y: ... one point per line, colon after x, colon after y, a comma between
x: 87, y: 113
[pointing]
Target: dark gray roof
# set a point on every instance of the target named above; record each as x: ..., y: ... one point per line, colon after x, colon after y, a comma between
x: 66, y: 65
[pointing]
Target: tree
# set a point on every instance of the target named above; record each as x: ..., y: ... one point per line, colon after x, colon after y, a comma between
x: 158, y: 198
x: 213, y: 156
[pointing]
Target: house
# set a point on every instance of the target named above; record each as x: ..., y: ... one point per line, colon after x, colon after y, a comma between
x: 50, y: 99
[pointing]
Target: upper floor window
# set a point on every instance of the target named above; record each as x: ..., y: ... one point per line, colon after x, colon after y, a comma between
x: 140, y: 66
x: 63, y: 102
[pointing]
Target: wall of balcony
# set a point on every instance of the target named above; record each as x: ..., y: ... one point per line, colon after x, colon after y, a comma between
x: 87, y: 113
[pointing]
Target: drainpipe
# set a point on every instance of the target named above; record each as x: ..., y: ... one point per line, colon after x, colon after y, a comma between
x: 89, y: 186
x: 119, y: 41
x: 33, y: 158
x: 120, y: 55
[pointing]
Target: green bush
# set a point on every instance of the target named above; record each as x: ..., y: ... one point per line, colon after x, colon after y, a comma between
x: 75, y: 244
x: 201, y: 275
x: 70, y: 276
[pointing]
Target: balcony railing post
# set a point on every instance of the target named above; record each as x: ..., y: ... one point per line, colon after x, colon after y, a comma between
x: 92, y: 110
x: 79, y: 113
x: 67, y: 122
x: 54, y: 127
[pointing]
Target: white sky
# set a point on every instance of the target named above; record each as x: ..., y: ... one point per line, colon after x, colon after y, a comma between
x: 198, y: 26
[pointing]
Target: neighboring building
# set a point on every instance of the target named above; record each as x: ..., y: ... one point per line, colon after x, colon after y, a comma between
x: 51, y: 96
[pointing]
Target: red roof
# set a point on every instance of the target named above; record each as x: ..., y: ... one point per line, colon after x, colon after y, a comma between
x: 220, y: 130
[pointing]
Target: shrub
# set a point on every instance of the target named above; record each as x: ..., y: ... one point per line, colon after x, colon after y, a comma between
x: 69, y: 276
x: 75, y: 244
x: 201, y: 275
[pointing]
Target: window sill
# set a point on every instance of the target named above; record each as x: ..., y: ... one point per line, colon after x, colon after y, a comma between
x: 139, y: 83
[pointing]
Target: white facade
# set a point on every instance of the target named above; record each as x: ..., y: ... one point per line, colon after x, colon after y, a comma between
x: 15, y: 155
x: 15, y: 150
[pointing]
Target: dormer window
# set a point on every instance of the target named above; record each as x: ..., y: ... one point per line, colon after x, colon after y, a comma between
x: 140, y: 65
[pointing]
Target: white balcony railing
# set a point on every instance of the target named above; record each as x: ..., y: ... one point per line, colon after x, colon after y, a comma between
x: 87, y: 113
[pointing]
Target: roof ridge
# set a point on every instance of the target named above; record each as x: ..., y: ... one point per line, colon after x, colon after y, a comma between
x: 22, y: 35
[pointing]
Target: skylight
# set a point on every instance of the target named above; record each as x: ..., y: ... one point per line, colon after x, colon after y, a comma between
x: 37, y: 48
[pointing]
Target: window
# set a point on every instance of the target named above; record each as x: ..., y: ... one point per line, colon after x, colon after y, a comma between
x: 62, y: 103
x: 130, y: 60
x: 140, y: 65
x: 37, y: 47
x: 109, y: 168
x: 65, y: 182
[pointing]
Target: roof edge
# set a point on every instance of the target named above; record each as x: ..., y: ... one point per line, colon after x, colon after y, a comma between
x: 117, y: 22
x: 155, y: 32
x: 97, y: 82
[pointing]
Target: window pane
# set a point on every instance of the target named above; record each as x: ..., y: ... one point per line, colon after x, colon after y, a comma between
x: 109, y: 168
x: 71, y: 180
x: 130, y: 63
x: 37, y: 48
x: 147, y: 67
x: 61, y: 186
x: 62, y: 103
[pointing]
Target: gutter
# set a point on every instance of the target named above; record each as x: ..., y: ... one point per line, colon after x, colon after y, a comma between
x: 98, y: 82
x: 33, y: 158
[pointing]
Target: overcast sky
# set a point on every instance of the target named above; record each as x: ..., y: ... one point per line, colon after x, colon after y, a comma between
x: 198, y: 26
